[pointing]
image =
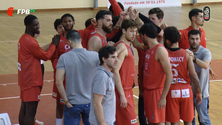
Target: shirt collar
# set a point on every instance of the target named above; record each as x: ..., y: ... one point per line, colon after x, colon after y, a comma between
x: 110, y: 74
x: 199, y: 50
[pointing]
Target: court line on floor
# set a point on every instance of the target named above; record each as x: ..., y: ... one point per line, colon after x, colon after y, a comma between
x: 16, y: 97
x: 13, y: 83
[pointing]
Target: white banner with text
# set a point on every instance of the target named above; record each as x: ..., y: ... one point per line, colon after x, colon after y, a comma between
x: 149, y: 3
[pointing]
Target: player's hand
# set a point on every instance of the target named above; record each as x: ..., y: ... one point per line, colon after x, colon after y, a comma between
x: 123, y: 15
x: 69, y: 105
x: 37, y: 35
x: 162, y: 103
x: 163, y: 26
x: 56, y: 39
x: 111, y: 43
x: 120, y: 47
x: 123, y: 101
x: 190, y: 53
x: 93, y: 22
x: 199, y: 96
x: 212, y: 74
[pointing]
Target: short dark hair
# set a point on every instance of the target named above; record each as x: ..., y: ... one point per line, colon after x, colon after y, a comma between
x: 159, y: 13
x: 101, y: 14
x: 127, y: 23
x: 74, y: 36
x: 120, y: 5
x: 88, y: 22
x: 194, y: 12
x: 29, y: 19
x: 172, y: 34
x: 57, y: 23
x: 149, y: 29
x: 194, y: 32
x: 105, y: 52
x: 67, y: 15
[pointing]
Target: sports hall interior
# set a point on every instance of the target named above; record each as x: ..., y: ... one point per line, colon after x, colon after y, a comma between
x: 12, y: 28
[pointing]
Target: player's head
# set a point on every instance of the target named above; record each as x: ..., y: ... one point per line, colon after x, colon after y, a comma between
x: 104, y: 20
x: 68, y: 21
x: 129, y: 29
x: 108, y: 56
x: 194, y: 38
x: 111, y: 8
x: 171, y: 36
x: 32, y: 24
x: 58, y: 26
x: 73, y: 37
x: 88, y: 22
x: 196, y: 16
x: 156, y: 15
x: 147, y: 31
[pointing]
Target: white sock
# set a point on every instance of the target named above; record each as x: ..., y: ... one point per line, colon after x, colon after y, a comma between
x: 58, y: 121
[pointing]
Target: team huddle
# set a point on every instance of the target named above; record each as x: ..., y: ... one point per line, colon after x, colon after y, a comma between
x: 94, y: 69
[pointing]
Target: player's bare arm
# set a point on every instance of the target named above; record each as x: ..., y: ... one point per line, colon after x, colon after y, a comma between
x: 59, y: 83
x: 194, y: 78
x: 116, y: 76
x: 95, y: 44
x: 163, y: 58
x: 138, y: 45
x: 99, y: 108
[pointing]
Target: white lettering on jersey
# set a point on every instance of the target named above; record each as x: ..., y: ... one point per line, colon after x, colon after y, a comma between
x: 176, y: 59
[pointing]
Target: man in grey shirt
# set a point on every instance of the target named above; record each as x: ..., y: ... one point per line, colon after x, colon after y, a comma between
x: 78, y: 67
x: 201, y: 58
x: 103, y: 110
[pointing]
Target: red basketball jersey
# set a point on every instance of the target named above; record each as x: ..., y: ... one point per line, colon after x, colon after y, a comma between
x: 153, y: 74
x: 178, y: 61
x: 127, y: 69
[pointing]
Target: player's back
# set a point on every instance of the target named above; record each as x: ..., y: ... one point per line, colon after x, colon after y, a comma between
x: 80, y: 65
x: 153, y: 74
x: 179, y: 65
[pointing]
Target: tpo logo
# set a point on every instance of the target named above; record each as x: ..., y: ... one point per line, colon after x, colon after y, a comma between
x: 12, y: 12
x: 206, y: 13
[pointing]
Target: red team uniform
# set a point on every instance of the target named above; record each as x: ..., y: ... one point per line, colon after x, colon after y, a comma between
x: 153, y: 83
x: 126, y: 72
x: 103, y: 39
x: 184, y: 43
x: 61, y: 48
x: 29, y: 67
x: 180, y: 96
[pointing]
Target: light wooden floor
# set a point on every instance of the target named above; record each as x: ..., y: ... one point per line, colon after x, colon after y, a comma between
x: 11, y: 29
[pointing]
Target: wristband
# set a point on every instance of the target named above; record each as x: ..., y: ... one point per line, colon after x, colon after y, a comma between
x: 195, y: 59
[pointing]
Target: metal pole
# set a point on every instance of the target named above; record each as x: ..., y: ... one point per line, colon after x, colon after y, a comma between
x: 96, y: 4
x: 194, y: 1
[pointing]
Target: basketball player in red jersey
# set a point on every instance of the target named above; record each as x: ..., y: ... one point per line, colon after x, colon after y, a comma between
x: 98, y: 38
x: 180, y: 96
x: 124, y: 76
x: 104, y: 26
x: 29, y: 69
x: 157, y: 76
